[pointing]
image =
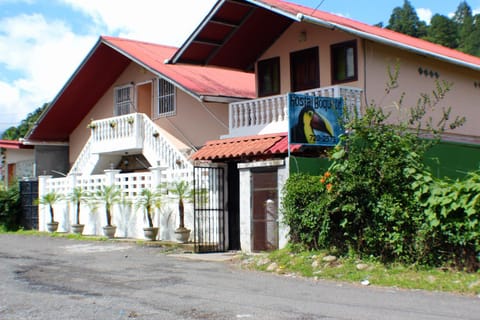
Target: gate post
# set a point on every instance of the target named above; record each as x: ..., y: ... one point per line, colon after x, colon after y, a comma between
x: 42, y: 209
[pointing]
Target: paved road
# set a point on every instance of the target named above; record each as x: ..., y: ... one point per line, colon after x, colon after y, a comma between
x: 53, y: 278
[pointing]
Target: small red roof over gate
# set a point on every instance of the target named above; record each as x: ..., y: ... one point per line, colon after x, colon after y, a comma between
x: 248, y: 146
x: 14, y: 144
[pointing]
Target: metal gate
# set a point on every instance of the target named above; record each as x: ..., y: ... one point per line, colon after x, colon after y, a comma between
x: 28, y: 194
x: 209, y: 209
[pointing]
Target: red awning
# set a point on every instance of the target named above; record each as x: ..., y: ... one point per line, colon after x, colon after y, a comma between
x: 248, y: 146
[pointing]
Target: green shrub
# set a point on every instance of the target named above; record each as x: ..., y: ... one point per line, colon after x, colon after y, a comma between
x: 10, y: 207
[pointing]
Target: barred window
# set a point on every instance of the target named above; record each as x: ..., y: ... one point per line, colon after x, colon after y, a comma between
x: 123, y: 100
x: 166, y: 98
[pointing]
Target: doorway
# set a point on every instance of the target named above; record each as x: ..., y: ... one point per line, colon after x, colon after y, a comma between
x: 265, y: 210
x: 144, y: 98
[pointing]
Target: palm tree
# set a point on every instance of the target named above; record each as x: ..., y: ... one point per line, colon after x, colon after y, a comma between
x: 78, y: 196
x: 109, y: 195
x: 50, y: 199
x: 149, y: 201
x: 184, y: 192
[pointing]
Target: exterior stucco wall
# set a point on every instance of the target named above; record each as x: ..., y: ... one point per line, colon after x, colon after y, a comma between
x: 373, y: 61
x: 194, y: 123
x: 50, y: 160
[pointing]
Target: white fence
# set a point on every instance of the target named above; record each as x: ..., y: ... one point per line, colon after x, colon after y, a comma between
x: 128, y: 219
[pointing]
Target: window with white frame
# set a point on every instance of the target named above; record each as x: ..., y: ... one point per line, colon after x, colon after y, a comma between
x: 123, y: 100
x: 166, y: 98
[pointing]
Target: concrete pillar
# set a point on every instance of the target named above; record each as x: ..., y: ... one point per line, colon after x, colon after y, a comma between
x: 43, y: 215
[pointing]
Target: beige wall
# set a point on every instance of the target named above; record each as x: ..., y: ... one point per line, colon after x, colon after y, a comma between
x: 464, y: 98
x: 193, y: 124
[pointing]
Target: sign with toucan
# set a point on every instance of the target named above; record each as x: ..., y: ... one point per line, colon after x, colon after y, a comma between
x: 315, y: 120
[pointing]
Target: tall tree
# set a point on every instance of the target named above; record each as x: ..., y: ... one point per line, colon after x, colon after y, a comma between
x: 464, y: 20
x: 405, y: 20
x: 442, y: 30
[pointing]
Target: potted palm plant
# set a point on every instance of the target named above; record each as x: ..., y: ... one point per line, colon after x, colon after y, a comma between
x: 78, y: 196
x: 50, y: 199
x: 183, y: 191
x: 148, y: 201
x: 109, y: 195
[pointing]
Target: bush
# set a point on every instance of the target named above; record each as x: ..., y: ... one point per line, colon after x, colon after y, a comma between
x: 377, y: 199
x: 10, y: 207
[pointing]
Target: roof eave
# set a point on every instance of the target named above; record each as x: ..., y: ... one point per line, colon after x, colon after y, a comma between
x: 385, y: 41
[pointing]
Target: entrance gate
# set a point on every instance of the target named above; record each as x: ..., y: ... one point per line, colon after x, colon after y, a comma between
x: 209, y: 209
x: 28, y: 195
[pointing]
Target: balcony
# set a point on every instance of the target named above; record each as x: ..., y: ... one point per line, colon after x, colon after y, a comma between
x: 270, y: 114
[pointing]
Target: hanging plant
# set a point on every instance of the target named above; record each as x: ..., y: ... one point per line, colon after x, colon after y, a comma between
x: 130, y: 120
x: 155, y: 134
x: 113, y: 124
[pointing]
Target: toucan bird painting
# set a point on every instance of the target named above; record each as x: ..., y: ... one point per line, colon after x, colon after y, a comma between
x: 308, y: 121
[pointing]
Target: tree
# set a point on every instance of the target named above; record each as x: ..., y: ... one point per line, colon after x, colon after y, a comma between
x: 405, y: 20
x: 15, y: 133
x: 149, y: 201
x: 78, y: 196
x: 443, y: 31
x: 464, y: 20
x: 50, y: 199
x: 109, y: 195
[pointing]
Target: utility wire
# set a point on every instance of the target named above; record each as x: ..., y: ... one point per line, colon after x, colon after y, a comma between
x: 316, y: 8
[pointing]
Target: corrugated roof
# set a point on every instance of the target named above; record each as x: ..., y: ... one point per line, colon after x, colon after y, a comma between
x: 107, y: 60
x: 248, y: 146
x: 14, y: 144
x: 256, y: 15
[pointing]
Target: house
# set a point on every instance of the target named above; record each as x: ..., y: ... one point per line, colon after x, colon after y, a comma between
x: 293, y: 48
x: 127, y: 118
x: 17, y: 161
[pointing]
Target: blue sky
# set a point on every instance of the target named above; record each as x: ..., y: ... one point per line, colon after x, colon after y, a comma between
x: 42, y: 42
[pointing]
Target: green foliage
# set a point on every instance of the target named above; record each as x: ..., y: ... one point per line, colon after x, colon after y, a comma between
x: 450, y: 231
x: 50, y: 199
x: 78, y: 196
x: 405, y: 20
x: 109, y: 195
x: 377, y: 200
x: 10, y: 207
x: 15, y: 133
x: 149, y: 201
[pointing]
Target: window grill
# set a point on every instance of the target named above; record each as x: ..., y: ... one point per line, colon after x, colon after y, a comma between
x: 166, y: 98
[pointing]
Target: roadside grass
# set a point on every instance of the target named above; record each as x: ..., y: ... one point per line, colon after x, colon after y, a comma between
x: 321, y: 265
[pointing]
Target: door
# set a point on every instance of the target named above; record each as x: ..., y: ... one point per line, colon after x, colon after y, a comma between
x: 144, y: 98
x: 265, y: 210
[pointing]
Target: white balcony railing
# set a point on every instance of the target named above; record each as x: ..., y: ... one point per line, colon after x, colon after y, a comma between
x: 134, y: 132
x: 270, y: 114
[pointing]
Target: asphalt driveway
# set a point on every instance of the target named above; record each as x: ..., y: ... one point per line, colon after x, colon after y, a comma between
x: 55, y: 278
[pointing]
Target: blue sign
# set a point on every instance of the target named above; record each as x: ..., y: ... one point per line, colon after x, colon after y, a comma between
x: 315, y: 120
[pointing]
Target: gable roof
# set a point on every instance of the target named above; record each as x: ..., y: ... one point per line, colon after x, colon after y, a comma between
x: 108, y: 59
x: 230, y: 24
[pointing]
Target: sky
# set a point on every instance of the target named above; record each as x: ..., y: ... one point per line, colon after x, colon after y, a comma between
x: 43, y: 42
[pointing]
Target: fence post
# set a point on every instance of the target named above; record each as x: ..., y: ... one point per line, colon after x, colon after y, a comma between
x: 156, y: 181
x: 110, y: 176
x: 42, y: 209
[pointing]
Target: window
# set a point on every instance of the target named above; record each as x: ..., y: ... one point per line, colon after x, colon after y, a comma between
x: 304, y: 69
x: 123, y: 100
x: 268, y: 73
x: 344, y: 61
x: 166, y: 98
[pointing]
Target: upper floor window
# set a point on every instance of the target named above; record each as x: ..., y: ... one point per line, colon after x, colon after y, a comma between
x: 166, y: 98
x: 123, y: 100
x: 268, y: 73
x: 304, y: 69
x: 344, y: 61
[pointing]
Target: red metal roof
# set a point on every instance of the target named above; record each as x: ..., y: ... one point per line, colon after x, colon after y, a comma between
x: 107, y: 60
x: 14, y: 144
x: 248, y: 146
x: 282, y: 14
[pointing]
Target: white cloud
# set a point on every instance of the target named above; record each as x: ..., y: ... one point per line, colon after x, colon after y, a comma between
x: 40, y: 55
x: 148, y: 20
x: 424, y: 14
